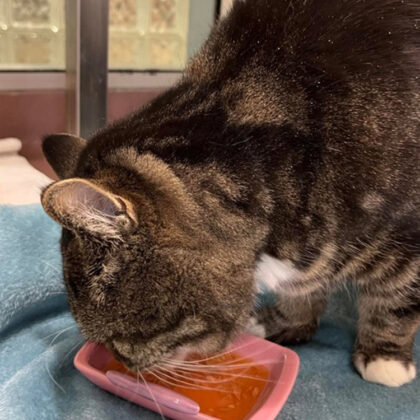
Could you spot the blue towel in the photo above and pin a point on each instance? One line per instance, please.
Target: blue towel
(38, 340)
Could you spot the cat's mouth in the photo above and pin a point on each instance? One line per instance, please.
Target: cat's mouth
(175, 345)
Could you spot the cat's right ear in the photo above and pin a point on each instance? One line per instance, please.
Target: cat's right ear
(62, 152)
(80, 205)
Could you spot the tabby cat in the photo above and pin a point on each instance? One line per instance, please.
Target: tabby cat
(288, 153)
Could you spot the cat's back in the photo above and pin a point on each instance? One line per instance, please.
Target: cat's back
(344, 77)
(314, 38)
(341, 76)
(319, 58)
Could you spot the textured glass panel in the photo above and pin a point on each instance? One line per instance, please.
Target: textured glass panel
(32, 48)
(3, 17)
(166, 52)
(3, 48)
(33, 34)
(124, 51)
(161, 26)
(31, 11)
(123, 13)
(162, 15)
(144, 34)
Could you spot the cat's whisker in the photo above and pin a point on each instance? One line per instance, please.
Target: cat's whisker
(193, 376)
(222, 354)
(55, 269)
(59, 333)
(224, 366)
(221, 373)
(230, 374)
(56, 332)
(155, 372)
(152, 395)
(166, 375)
(68, 353)
(54, 381)
(180, 383)
(204, 368)
(225, 363)
(65, 356)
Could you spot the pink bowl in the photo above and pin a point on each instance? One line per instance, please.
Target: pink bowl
(282, 363)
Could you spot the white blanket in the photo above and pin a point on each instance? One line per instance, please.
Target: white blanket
(20, 183)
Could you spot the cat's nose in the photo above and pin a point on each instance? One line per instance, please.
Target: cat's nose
(123, 352)
(123, 348)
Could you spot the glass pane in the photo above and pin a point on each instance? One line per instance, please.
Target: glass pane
(32, 34)
(30, 12)
(148, 34)
(143, 34)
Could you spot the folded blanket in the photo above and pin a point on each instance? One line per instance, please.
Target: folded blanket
(38, 340)
(20, 183)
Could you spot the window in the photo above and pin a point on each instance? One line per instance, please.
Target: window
(148, 34)
(32, 34)
(143, 34)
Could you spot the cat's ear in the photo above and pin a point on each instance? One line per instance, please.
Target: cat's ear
(62, 152)
(80, 205)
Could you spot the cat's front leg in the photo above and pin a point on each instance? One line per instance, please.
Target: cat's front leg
(293, 318)
(389, 316)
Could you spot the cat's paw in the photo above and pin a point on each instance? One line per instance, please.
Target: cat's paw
(255, 328)
(389, 372)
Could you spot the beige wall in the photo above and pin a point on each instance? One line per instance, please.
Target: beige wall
(30, 115)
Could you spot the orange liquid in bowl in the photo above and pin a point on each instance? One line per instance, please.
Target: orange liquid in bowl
(226, 387)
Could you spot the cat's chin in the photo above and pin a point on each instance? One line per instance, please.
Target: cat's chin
(182, 353)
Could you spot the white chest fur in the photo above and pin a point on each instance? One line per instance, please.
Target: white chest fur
(271, 273)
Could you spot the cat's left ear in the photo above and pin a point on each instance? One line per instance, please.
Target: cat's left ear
(62, 152)
(80, 205)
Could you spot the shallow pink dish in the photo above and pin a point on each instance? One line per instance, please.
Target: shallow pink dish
(93, 358)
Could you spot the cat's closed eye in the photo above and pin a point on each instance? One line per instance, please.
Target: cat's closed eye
(95, 270)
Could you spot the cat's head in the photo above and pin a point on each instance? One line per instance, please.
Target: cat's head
(143, 274)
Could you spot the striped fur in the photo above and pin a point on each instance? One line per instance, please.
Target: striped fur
(293, 134)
